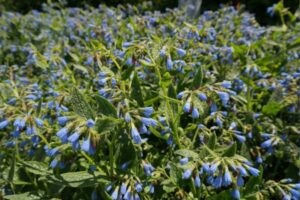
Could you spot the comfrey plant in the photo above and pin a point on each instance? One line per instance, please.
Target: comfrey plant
(124, 103)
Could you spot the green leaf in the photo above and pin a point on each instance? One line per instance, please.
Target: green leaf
(23, 196)
(80, 68)
(136, 92)
(80, 106)
(197, 82)
(212, 141)
(105, 107)
(146, 63)
(79, 179)
(253, 183)
(74, 57)
(105, 124)
(35, 167)
(187, 153)
(272, 108)
(158, 134)
(11, 172)
(230, 151)
(168, 186)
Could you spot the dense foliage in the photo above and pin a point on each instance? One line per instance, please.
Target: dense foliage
(119, 103)
(258, 7)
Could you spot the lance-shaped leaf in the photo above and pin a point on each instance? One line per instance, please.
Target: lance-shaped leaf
(105, 107)
(197, 82)
(80, 105)
(187, 153)
(106, 124)
(230, 151)
(79, 179)
(136, 92)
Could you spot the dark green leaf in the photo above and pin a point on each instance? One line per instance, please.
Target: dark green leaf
(230, 151)
(136, 92)
(105, 124)
(79, 179)
(80, 106)
(272, 108)
(105, 107)
(212, 141)
(23, 196)
(197, 82)
(187, 153)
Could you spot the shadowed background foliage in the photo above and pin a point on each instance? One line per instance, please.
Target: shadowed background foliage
(258, 7)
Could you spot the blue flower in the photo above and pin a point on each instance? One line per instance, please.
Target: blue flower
(205, 167)
(87, 146)
(181, 52)
(136, 197)
(187, 174)
(19, 123)
(74, 137)
(226, 84)
(271, 10)
(148, 168)
(115, 194)
(30, 130)
(138, 187)
(183, 161)
(286, 197)
(235, 193)
(197, 181)
(15, 134)
(213, 168)
(62, 120)
(10, 143)
(126, 44)
(219, 122)
(135, 135)
(39, 122)
(259, 160)
(267, 143)
(224, 97)
(149, 121)
(63, 135)
(180, 95)
(202, 96)
(54, 163)
(127, 195)
(162, 53)
(90, 123)
(253, 171)
(213, 108)
(151, 189)
(232, 125)
(169, 63)
(143, 129)
(240, 181)
(242, 171)
(52, 152)
(297, 186)
(187, 107)
(227, 178)
(148, 111)
(195, 113)
(295, 193)
(123, 188)
(94, 195)
(4, 124)
(217, 183)
(240, 137)
(127, 117)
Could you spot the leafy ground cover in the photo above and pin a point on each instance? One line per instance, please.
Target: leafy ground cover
(122, 103)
